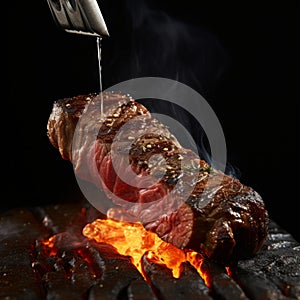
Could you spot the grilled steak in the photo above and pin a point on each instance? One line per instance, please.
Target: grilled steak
(152, 179)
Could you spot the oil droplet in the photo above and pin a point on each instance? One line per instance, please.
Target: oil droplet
(100, 74)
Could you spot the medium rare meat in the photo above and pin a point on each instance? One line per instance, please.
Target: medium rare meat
(152, 179)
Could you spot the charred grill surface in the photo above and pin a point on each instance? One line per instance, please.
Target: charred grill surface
(219, 217)
(84, 270)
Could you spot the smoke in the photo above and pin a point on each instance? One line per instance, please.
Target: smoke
(162, 45)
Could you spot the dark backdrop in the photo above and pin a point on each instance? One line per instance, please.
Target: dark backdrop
(240, 58)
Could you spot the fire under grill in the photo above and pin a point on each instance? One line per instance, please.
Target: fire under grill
(44, 255)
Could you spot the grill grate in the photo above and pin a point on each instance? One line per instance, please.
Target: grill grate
(83, 269)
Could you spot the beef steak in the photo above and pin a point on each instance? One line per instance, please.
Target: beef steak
(152, 179)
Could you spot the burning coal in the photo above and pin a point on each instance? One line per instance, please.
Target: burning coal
(130, 240)
(58, 261)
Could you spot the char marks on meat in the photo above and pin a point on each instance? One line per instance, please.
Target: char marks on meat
(168, 188)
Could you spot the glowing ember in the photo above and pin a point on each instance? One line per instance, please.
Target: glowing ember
(133, 240)
(50, 244)
(196, 261)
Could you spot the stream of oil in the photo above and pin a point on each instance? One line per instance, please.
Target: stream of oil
(100, 75)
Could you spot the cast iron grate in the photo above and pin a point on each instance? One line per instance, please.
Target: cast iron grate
(83, 269)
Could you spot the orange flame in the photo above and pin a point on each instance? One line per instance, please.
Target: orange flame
(50, 244)
(132, 239)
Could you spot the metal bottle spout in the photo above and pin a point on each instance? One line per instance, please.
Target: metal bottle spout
(79, 16)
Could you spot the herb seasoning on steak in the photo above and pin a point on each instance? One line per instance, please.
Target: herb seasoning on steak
(202, 209)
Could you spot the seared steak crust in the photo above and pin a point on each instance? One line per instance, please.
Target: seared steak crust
(202, 208)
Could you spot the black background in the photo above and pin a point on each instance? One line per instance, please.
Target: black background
(242, 59)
